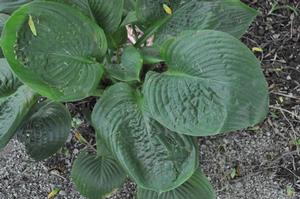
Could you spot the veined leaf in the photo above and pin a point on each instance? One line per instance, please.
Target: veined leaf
(152, 155)
(107, 13)
(62, 61)
(8, 6)
(130, 66)
(214, 84)
(197, 187)
(231, 16)
(96, 176)
(15, 102)
(46, 129)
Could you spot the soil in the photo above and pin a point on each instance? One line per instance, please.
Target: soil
(262, 162)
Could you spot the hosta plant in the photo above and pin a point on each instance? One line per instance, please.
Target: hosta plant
(164, 72)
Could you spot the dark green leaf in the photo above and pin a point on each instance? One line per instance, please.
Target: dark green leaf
(3, 19)
(117, 39)
(96, 176)
(229, 16)
(129, 19)
(152, 155)
(15, 103)
(8, 6)
(214, 84)
(107, 13)
(46, 129)
(197, 187)
(58, 54)
(130, 66)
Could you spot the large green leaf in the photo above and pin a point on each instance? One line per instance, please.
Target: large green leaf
(130, 66)
(229, 16)
(46, 129)
(197, 187)
(107, 13)
(15, 103)
(55, 50)
(213, 84)
(96, 176)
(155, 157)
(8, 6)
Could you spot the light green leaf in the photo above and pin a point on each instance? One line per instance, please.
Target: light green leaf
(129, 19)
(15, 102)
(231, 16)
(152, 155)
(63, 61)
(130, 66)
(107, 14)
(150, 55)
(96, 176)
(213, 84)
(8, 6)
(197, 187)
(46, 129)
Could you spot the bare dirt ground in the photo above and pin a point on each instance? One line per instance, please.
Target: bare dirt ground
(258, 163)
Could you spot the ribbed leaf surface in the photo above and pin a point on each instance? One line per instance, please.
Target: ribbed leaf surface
(15, 103)
(8, 6)
(46, 130)
(197, 187)
(55, 50)
(152, 155)
(3, 19)
(214, 84)
(229, 16)
(107, 13)
(96, 176)
(130, 66)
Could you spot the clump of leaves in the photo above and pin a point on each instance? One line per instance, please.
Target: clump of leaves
(195, 79)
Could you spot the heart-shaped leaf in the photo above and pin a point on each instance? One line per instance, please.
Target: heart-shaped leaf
(152, 155)
(46, 129)
(231, 16)
(96, 176)
(55, 50)
(15, 102)
(107, 14)
(130, 66)
(213, 84)
(197, 187)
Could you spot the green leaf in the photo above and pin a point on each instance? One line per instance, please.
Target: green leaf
(62, 61)
(8, 6)
(130, 66)
(3, 19)
(107, 14)
(96, 176)
(117, 39)
(155, 157)
(197, 187)
(129, 6)
(213, 84)
(15, 102)
(231, 16)
(149, 11)
(46, 129)
(150, 55)
(129, 19)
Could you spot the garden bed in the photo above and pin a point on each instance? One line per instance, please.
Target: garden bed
(262, 162)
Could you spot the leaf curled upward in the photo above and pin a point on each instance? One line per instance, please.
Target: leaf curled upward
(32, 26)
